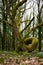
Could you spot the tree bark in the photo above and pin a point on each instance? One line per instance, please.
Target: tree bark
(16, 35)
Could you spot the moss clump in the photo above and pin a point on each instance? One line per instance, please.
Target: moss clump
(31, 43)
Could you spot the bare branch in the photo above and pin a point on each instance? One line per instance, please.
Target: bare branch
(40, 11)
(6, 22)
(33, 29)
(28, 24)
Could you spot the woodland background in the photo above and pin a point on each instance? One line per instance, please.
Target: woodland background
(20, 19)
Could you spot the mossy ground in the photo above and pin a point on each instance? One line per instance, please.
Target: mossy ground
(12, 56)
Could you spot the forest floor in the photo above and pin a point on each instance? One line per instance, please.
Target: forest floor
(13, 58)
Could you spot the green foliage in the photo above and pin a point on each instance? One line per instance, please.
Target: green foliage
(40, 54)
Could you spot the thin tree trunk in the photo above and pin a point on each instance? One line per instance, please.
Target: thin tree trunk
(4, 27)
(33, 21)
(39, 29)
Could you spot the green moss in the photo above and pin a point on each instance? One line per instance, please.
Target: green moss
(28, 41)
(31, 43)
(34, 42)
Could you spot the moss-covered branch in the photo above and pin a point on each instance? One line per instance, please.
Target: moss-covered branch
(31, 43)
(15, 8)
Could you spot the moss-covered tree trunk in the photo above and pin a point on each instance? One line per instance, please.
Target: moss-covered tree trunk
(16, 35)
